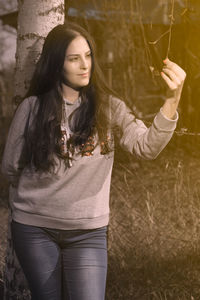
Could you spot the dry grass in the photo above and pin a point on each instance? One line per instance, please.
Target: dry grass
(154, 231)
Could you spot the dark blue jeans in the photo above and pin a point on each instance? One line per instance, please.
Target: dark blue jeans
(62, 264)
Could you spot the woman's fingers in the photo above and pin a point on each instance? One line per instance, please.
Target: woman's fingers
(180, 73)
(172, 75)
(170, 83)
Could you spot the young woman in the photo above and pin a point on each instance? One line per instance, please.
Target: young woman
(58, 159)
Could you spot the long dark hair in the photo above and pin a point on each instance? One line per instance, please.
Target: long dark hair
(42, 139)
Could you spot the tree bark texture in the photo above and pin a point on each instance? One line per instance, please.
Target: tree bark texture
(36, 18)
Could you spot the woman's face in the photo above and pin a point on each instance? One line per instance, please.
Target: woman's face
(78, 63)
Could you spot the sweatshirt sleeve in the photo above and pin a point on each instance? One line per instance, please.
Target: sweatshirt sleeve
(13, 157)
(136, 138)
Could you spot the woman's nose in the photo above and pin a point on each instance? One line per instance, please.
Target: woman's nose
(84, 63)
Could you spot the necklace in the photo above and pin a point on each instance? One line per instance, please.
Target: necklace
(67, 147)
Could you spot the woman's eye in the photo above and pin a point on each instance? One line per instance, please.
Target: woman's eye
(89, 55)
(73, 59)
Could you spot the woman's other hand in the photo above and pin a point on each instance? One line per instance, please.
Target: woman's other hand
(174, 76)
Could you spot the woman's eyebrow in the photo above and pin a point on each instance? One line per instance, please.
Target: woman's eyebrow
(89, 51)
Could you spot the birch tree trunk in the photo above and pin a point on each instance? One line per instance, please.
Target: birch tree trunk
(36, 18)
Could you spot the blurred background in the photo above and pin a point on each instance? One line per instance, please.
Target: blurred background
(154, 228)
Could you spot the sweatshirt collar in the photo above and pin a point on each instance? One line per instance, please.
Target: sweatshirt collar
(77, 101)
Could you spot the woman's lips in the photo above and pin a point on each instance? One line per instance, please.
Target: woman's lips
(84, 74)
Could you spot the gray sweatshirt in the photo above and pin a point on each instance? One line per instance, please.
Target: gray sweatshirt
(76, 197)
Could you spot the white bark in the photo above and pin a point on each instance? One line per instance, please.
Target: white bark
(36, 18)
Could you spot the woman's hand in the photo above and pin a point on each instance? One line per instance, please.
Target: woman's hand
(174, 76)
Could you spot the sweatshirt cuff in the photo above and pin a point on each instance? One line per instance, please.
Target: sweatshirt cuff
(164, 123)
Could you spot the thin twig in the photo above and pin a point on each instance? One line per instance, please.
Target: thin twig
(138, 6)
(160, 37)
(170, 27)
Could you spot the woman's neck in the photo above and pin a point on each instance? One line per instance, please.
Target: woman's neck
(69, 93)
